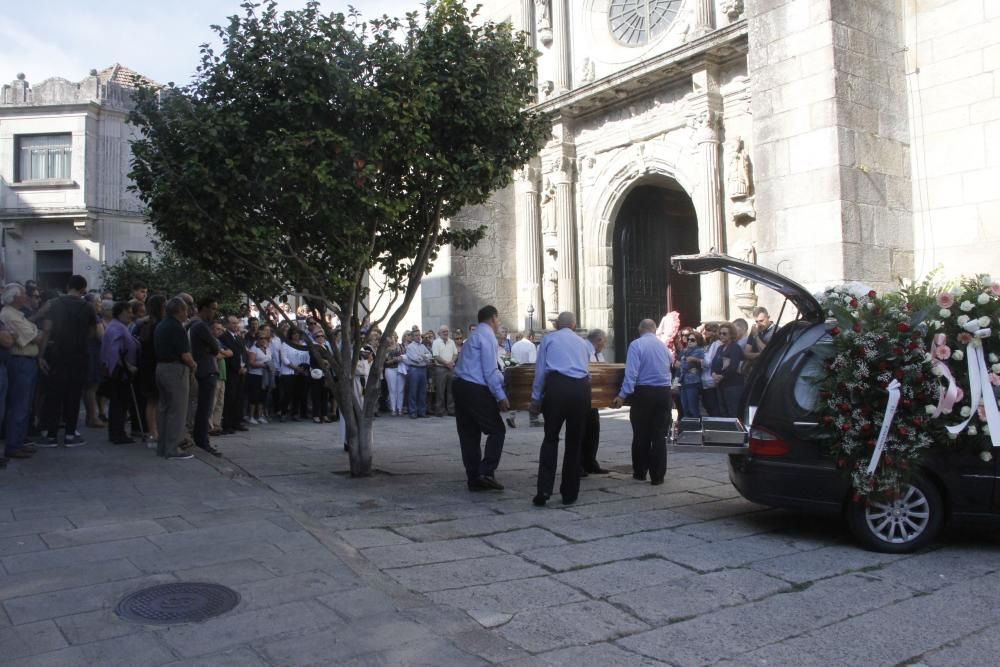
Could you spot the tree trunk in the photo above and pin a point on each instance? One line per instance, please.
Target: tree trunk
(358, 427)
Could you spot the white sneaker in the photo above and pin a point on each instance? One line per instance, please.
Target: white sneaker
(261, 421)
(252, 421)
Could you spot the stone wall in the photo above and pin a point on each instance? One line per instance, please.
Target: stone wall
(953, 76)
(486, 274)
(830, 142)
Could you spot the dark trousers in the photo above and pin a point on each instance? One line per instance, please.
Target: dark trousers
(118, 408)
(650, 416)
(206, 394)
(591, 441)
(477, 413)
(320, 397)
(293, 395)
(417, 379)
(729, 399)
(63, 392)
(710, 399)
(232, 402)
(566, 401)
(22, 373)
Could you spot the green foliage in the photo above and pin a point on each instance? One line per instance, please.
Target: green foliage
(316, 147)
(169, 274)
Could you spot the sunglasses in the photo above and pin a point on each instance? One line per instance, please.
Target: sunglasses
(692, 340)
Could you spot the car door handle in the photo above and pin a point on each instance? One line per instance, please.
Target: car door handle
(806, 424)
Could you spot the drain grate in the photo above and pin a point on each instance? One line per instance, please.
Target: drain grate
(177, 603)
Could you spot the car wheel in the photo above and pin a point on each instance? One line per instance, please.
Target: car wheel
(902, 525)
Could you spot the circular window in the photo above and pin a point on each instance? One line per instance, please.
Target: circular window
(635, 22)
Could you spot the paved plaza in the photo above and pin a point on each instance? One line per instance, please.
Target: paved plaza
(409, 568)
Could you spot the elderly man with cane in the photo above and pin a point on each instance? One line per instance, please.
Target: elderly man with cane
(562, 392)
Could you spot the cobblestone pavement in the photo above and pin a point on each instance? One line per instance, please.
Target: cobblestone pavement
(409, 568)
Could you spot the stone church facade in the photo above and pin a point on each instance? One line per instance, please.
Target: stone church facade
(830, 140)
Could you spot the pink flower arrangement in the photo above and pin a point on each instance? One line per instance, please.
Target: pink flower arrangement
(942, 352)
(995, 379)
(964, 338)
(946, 300)
(995, 288)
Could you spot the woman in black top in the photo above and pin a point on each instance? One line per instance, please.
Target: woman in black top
(726, 372)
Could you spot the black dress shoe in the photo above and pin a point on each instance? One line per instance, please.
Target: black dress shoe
(584, 473)
(568, 501)
(641, 478)
(656, 482)
(212, 450)
(490, 483)
(539, 500)
(241, 427)
(476, 484)
(597, 470)
(122, 441)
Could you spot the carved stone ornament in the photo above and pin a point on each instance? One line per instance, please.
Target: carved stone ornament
(545, 89)
(544, 22)
(548, 206)
(739, 180)
(733, 9)
(587, 72)
(563, 165)
(526, 174)
(551, 284)
(706, 126)
(746, 289)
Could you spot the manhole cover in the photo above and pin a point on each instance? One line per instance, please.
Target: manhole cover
(177, 603)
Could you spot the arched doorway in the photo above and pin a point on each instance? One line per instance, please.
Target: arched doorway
(653, 223)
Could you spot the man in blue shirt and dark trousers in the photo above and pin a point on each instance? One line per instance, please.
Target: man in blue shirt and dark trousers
(562, 392)
(647, 381)
(479, 398)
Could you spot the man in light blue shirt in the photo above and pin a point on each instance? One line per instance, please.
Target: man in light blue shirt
(647, 381)
(479, 398)
(418, 357)
(562, 391)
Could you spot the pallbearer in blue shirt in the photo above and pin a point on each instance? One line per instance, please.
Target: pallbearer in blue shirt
(647, 381)
(562, 392)
(479, 398)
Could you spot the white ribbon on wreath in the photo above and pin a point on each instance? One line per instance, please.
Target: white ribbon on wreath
(883, 434)
(979, 384)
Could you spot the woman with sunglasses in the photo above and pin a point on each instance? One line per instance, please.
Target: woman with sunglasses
(726, 372)
(688, 364)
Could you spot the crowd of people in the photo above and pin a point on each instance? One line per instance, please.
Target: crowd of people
(173, 373)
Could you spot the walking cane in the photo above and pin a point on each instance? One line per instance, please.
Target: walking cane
(131, 389)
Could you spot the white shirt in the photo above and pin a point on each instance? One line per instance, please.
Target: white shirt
(524, 352)
(291, 359)
(445, 350)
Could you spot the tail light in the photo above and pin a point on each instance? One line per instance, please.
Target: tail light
(765, 443)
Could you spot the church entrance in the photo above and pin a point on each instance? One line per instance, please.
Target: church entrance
(654, 223)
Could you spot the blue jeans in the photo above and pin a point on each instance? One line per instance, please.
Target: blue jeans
(690, 401)
(417, 385)
(22, 372)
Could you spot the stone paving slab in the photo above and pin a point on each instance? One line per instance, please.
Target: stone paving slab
(409, 567)
(538, 630)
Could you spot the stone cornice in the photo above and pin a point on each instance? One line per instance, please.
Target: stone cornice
(718, 46)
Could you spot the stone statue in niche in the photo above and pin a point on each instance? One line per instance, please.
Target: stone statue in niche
(739, 183)
(746, 289)
(733, 9)
(548, 205)
(545, 89)
(740, 180)
(550, 289)
(587, 72)
(544, 12)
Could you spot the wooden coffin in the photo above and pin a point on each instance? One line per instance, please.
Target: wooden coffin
(605, 382)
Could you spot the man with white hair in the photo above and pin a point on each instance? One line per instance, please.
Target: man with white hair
(561, 391)
(22, 369)
(444, 351)
(647, 381)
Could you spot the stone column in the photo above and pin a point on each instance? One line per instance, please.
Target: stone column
(529, 250)
(560, 34)
(711, 229)
(528, 19)
(562, 178)
(704, 18)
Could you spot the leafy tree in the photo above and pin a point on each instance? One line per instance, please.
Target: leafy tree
(168, 273)
(314, 149)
